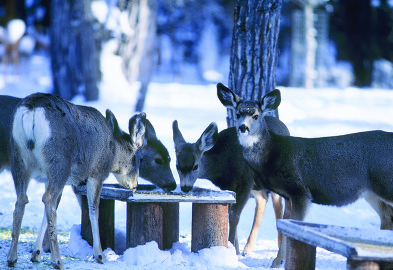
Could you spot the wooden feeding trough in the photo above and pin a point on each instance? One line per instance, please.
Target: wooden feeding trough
(153, 215)
(363, 248)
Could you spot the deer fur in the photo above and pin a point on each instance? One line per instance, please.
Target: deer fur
(61, 143)
(335, 170)
(218, 157)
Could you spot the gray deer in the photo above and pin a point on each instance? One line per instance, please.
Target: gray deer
(335, 170)
(61, 143)
(219, 158)
(155, 162)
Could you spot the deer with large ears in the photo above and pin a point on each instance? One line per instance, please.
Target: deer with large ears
(218, 157)
(55, 141)
(335, 170)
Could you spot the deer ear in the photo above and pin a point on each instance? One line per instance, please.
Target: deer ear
(227, 97)
(208, 138)
(177, 136)
(112, 121)
(137, 128)
(271, 101)
(150, 131)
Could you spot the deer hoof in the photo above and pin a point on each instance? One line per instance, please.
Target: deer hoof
(247, 250)
(100, 258)
(36, 255)
(11, 263)
(58, 265)
(277, 263)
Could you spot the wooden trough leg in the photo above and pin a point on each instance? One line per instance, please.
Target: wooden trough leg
(300, 256)
(209, 226)
(170, 224)
(362, 265)
(144, 224)
(106, 223)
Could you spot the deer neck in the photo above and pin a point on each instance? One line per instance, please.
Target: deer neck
(257, 152)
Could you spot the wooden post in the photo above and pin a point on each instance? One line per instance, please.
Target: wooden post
(106, 223)
(170, 224)
(209, 225)
(362, 265)
(144, 224)
(300, 256)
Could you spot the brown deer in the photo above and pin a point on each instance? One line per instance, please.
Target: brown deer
(55, 141)
(218, 157)
(335, 170)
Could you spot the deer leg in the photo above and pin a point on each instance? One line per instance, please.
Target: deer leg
(242, 196)
(21, 181)
(36, 252)
(45, 242)
(93, 198)
(261, 197)
(277, 206)
(50, 199)
(384, 210)
(298, 210)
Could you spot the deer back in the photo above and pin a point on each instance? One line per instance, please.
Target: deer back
(49, 130)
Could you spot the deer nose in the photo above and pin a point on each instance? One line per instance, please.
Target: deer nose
(186, 188)
(243, 128)
(170, 187)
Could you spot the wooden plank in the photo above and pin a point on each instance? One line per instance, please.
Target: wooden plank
(209, 226)
(106, 223)
(307, 235)
(353, 243)
(144, 224)
(152, 194)
(300, 256)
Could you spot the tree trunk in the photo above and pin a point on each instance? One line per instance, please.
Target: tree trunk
(74, 53)
(254, 50)
(137, 51)
(311, 45)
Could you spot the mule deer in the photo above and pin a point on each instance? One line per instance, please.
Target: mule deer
(218, 157)
(61, 143)
(335, 170)
(154, 165)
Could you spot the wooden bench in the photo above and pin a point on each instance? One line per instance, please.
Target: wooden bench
(153, 215)
(363, 248)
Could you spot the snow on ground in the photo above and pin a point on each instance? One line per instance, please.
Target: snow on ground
(308, 113)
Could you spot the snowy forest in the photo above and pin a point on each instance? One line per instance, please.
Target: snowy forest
(331, 59)
(321, 43)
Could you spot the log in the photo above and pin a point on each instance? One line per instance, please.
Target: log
(362, 265)
(145, 221)
(209, 226)
(170, 224)
(300, 256)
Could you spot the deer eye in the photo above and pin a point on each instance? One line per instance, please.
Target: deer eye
(255, 117)
(159, 161)
(238, 116)
(195, 167)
